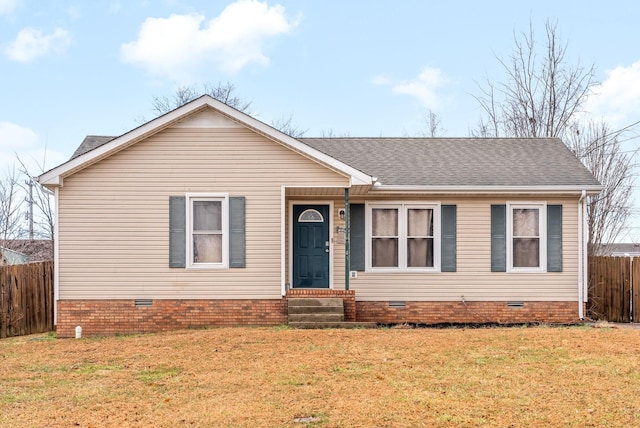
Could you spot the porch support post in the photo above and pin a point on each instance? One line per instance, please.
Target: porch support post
(347, 246)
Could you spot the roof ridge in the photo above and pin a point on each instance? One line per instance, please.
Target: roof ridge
(433, 138)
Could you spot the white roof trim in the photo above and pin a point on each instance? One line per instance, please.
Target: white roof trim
(560, 189)
(54, 177)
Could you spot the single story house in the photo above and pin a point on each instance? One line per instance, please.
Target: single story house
(206, 216)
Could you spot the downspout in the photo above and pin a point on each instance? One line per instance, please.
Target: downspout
(347, 244)
(283, 242)
(585, 246)
(582, 256)
(56, 255)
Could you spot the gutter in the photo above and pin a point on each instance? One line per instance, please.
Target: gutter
(582, 253)
(488, 189)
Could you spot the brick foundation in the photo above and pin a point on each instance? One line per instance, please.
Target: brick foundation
(348, 297)
(110, 317)
(467, 312)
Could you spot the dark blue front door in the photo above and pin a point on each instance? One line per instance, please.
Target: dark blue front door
(311, 246)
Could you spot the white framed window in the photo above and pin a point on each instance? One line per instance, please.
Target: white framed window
(207, 225)
(526, 237)
(402, 237)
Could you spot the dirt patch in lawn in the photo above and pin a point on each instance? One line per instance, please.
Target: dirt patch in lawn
(279, 377)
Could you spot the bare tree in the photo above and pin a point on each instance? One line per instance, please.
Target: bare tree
(543, 96)
(599, 149)
(433, 124)
(330, 133)
(10, 210)
(285, 125)
(41, 201)
(26, 213)
(223, 92)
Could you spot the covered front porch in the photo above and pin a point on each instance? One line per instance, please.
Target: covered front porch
(316, 240)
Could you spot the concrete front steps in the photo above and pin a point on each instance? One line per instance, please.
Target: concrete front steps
(321, 312)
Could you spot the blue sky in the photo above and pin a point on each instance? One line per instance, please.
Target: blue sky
(357, 68)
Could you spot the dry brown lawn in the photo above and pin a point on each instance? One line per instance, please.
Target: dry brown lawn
(279, 377)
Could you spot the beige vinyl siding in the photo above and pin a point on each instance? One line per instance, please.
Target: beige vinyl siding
(473, 280)
(114, 215)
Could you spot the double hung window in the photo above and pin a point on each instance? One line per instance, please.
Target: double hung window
(403, 237)
(207, 218)
(527, 237)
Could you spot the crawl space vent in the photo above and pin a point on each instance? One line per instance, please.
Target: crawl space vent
(397, 305)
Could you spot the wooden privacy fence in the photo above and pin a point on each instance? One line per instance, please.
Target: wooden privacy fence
(614, 289)
(26, 299)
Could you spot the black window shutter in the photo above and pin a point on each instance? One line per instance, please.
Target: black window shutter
(448, 238)
(554, 238)
(498, 238)
(356, 238)
(177, 232)
(237, 235)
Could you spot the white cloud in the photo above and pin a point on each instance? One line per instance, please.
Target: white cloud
(32, 43)
(7, 6)
(114, 8)
(74, 12)
(16, 140)
(425, 87)
(381, 79)
(15, 137)
(617, 98)
(177, 46)
(40, 159)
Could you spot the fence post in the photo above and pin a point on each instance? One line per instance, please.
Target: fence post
(631, 290)
(3, 306)
(635, 294)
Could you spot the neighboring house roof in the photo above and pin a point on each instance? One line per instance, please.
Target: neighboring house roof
(460, 161)
(36, 249)
(621, 249)
(463, 164)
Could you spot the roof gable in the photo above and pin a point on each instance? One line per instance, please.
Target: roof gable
(207, 118)
(193, 113)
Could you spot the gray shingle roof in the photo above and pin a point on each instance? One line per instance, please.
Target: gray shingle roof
(459, 161)
(36, 249)
(89, 143)
(447, 161)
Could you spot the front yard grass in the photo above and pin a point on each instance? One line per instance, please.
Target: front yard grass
(279, 377)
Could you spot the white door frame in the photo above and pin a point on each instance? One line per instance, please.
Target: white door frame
(290, 236)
